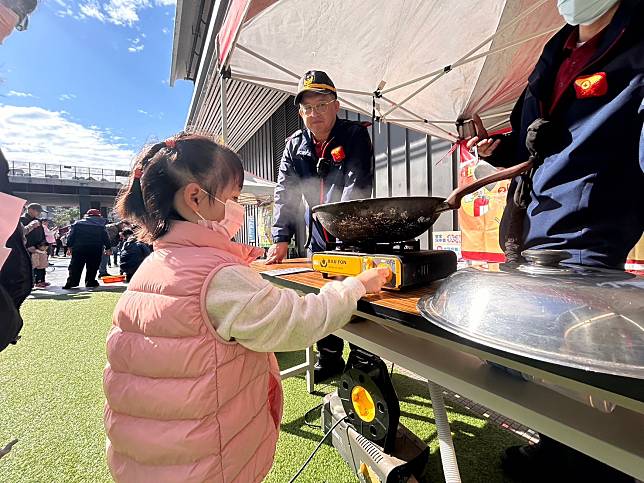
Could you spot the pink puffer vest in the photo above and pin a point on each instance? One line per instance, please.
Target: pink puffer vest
(183, 405)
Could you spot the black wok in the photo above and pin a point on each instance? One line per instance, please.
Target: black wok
(385, 220)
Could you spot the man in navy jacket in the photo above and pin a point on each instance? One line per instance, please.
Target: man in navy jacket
(328, 161)
(587, 197)
(88, 239)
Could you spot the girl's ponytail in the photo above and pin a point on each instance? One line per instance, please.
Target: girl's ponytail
(163, 169)
(130, 204)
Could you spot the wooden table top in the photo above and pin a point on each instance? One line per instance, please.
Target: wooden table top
(401, 307)
(400, 301)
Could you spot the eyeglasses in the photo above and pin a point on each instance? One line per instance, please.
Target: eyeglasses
(320, 108)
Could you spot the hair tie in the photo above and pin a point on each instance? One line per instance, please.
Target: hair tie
(170, 143)
(138, 172)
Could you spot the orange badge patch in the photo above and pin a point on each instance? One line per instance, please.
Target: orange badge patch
(594, 85)
(338, 154)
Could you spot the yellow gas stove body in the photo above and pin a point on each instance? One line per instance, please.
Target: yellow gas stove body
(407, 269)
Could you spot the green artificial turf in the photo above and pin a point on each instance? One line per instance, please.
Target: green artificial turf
(51, 399)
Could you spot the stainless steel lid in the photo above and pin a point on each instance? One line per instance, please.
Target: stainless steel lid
(574, 316)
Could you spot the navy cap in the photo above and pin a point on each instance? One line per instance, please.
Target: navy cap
(315, 81)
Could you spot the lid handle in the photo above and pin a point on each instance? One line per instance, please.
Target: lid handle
(545, 258)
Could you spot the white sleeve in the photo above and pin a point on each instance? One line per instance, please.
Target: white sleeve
(262, 317)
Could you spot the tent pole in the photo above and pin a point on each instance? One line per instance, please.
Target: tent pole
(464, 61)
(224, 114)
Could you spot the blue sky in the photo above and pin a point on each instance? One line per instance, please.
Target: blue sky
(87, 83)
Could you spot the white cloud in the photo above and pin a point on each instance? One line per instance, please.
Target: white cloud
(136, 45)
(38, 135)
(67, 12)
(165, 30)
(66, 97)
(92, 9)
(19, 94)
(117, 12)
(141, 111)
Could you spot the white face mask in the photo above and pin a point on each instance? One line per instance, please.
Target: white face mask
(583, 12)
(233, 216)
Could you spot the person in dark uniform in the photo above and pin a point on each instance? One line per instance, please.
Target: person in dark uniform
(329, 160)
(132, 254)
(589, 84)
(87, 239)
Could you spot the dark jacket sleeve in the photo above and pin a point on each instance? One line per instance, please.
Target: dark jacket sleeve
(288, 195)
(72, 236)
(16, 273)
(107, 243)
(358, 173)
(10, 320)
(641, 113)
(504, 155)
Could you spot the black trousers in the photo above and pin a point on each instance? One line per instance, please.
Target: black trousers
(39, 275)
(59, 246)
(88, 258)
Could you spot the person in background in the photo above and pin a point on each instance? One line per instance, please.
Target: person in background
(63, 241)
(117, 250)
(59, 244)
(132, 254)
(49, 236)
(328, 161)
(40, 262)
(190, 354)
(87, 240)
(34, 230)
(113, 231)
(589, 83)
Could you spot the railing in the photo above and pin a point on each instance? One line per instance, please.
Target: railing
(61, 171)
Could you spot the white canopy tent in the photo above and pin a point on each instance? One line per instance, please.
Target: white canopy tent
(422, 64)
(256, 191)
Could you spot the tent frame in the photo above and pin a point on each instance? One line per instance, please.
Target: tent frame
(379, 92)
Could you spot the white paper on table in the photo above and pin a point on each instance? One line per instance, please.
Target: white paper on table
(10, 210)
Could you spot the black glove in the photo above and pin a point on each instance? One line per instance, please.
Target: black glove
(543, 138)
(324, 167)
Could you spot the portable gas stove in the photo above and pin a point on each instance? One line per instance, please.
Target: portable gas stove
(410, 266)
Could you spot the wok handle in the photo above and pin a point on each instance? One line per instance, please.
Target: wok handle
(453, 201)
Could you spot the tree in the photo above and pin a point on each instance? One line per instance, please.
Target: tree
(64, 216)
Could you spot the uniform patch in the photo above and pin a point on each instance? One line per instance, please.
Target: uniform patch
(594, 85)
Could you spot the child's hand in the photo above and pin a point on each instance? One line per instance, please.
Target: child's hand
(374, 279)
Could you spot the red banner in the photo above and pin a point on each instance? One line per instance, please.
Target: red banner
(480, 212)
(229, 30)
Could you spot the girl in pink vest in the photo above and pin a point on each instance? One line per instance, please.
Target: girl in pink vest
(192, 385)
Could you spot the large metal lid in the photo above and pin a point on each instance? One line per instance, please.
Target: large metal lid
(574, 316)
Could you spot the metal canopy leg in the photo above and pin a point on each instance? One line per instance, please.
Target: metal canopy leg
(305, 368)
(224, 114)
(310, 370)
(448, 455)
